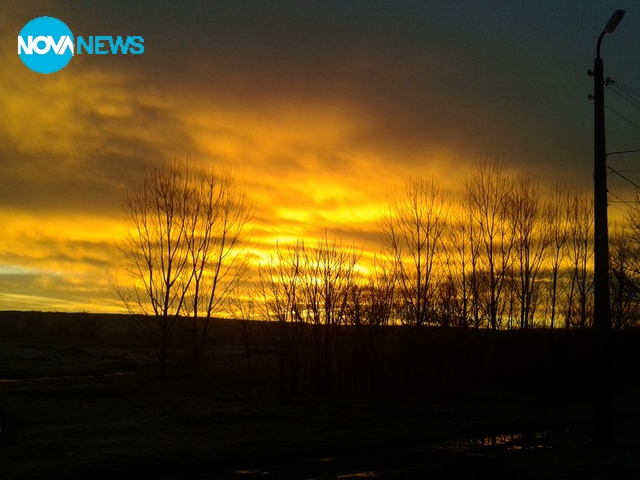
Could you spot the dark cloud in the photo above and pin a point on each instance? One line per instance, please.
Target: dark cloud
(475, 76)
(321, 108)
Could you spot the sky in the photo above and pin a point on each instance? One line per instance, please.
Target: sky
(321, 109)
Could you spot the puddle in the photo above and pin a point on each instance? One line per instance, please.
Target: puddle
(409, 461)
(359, 475)
(524, 441)
(4, 381)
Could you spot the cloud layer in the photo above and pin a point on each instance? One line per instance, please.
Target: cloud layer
(320, 109)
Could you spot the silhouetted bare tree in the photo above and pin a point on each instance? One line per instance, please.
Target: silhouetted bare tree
(158, 211)
(371, 306)
(556, 216)
(244, 313)
(329, 276)
(532, 237)
(184, 251)
(488, 200)
(579, 295)
(413, 228)
(218, 246)
(625, 268)
(459, 289)
(624, 282)
(307, 291)
(282, 302)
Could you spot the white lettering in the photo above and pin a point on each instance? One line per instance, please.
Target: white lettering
(62, 45)
(41, 38)
(33, 45)
(22, 47)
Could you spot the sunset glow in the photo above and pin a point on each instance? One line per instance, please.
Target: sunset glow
(321, 115)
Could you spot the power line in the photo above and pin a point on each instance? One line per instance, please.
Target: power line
(620, 200)
(626, 97)
(614, 195)
(618, 208)
(620, 152)
(622, 116)
(622, 176)
(628, 89)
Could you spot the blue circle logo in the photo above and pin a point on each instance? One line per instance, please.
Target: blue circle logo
(45, 45)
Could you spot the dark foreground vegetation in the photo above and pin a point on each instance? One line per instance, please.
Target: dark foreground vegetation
(79, 397)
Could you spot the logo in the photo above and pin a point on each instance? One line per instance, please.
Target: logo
(46, 45)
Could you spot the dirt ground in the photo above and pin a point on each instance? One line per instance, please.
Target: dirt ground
(87, 411)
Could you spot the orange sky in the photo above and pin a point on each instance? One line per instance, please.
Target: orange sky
(319, 109)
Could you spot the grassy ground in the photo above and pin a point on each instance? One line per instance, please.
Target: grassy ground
(81, 422)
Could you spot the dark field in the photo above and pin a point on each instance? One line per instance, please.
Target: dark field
(79, 399)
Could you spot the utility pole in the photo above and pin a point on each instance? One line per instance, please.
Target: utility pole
(602, 318)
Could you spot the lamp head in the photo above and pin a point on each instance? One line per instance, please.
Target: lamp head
(614, 21)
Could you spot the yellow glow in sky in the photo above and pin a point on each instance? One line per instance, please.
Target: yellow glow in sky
(320, 122)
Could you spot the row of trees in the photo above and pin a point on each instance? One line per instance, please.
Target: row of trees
(504, 253)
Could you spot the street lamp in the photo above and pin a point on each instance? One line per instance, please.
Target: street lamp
(602, 319)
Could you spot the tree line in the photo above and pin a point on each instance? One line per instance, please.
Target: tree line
(503, 253)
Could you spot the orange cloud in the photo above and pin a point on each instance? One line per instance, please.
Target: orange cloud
(320, 132)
